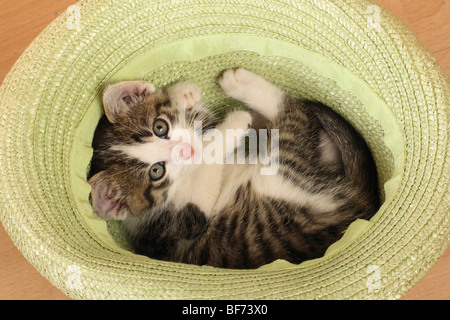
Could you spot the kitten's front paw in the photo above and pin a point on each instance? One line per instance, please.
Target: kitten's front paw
(237, 82)
(185, 95)
(238, 120)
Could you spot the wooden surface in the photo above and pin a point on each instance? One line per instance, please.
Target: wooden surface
(22, 20)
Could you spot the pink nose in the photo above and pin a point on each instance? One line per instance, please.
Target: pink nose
(186, 151)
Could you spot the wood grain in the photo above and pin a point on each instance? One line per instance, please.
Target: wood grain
(22, 20)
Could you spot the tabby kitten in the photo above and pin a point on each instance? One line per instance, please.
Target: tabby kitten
(219, 214)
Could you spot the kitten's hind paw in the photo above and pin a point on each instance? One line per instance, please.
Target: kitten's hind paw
(237, 82)
(253, 90)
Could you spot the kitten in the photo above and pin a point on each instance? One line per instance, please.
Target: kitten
(219, 214)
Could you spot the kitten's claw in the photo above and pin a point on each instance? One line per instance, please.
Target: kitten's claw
(185, 95)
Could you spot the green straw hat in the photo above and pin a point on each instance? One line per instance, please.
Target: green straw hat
(352, 55)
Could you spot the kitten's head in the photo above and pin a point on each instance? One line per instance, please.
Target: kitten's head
(136, 155)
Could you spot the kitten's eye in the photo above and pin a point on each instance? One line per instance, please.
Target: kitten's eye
(160, 128)
(157, 171)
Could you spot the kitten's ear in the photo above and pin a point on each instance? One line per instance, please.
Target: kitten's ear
(106, 198)
(118, 98)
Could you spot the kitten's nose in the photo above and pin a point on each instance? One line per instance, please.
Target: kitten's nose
(186, 151)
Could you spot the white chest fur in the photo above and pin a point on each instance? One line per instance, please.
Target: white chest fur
(216, 188)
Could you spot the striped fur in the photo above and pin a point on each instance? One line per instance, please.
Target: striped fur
(231, 216)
